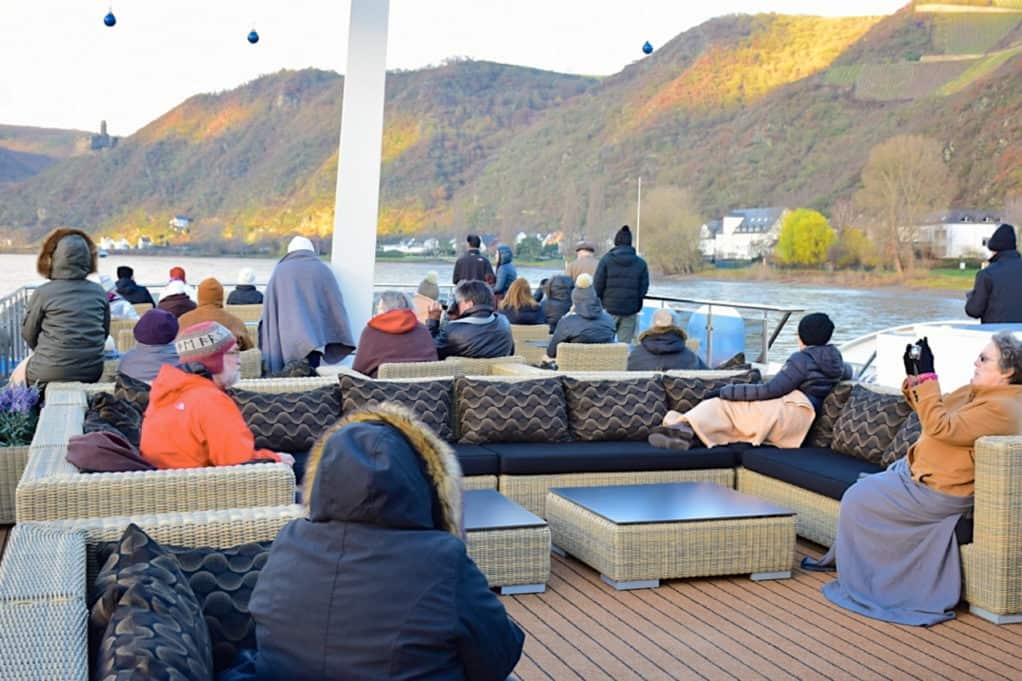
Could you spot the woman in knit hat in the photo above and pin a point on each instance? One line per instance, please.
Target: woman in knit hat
(427, 293)
(211, 309)
(245, 293)
(154, 334)
(190, 421)
(586, 323)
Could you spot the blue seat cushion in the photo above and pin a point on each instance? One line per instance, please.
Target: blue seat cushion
(817, 469)
(476, 460)
(539, 458)
(821, 470)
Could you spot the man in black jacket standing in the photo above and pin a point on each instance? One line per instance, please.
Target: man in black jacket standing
(621, 282)
(994, 298)
(473, 265)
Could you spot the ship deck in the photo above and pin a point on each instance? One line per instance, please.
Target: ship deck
(734, 628)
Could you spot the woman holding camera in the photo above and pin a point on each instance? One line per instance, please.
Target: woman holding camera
(896, 549)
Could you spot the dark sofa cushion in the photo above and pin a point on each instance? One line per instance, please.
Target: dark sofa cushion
(145, 618)
(288, 422)
(822, 432)
(614, 409)
(868, 423)
(685, 392)
(907, 435)
(536, 458)
(511, 411)
(476, 460)
(817, 469)
(110, 414)
(132, 390)
(430, 400)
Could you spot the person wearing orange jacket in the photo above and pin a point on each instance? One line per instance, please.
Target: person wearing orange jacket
(190, 421)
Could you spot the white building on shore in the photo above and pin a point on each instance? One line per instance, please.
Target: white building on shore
(743, 235)
(957, 234)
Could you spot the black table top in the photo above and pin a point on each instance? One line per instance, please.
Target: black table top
(488, 509)
(670, 502)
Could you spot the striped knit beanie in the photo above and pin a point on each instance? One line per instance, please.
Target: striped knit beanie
(205, 343)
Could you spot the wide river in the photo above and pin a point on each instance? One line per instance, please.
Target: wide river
(855, 312)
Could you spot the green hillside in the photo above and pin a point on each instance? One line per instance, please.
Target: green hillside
(742, 110)
(26, 151)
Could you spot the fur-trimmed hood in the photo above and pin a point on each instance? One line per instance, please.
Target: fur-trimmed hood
(60, 257)
(661, 330)
(382, 466)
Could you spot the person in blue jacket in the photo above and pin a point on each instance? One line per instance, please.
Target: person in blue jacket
(376, 582)
(506, 272)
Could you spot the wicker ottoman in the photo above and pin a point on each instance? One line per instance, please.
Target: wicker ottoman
(510, 545)
(636, 535)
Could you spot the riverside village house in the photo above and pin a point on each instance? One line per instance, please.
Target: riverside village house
(743, 235)
(956, 234)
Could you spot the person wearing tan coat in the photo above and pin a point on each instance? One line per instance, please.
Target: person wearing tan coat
(211, 309)
(896, 550)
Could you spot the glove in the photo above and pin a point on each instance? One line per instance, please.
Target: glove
(925, 361)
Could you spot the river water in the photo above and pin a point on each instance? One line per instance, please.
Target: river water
(854, 311)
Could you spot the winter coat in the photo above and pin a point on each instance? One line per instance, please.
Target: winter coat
(245, 294)
(133, 293)
(661, 349)
(177, 304)
(473, 265)
(588, 323)
(211, 309)
(394, 336)
(582, 265)
(621, 281)
(67, 319)
(506, 271)
(143, 362)
(524, 315)
(942, 458)
(557, 301)
(814, 371)
(376, 582)
(191, 423)
(478, 333)
(995, 298)
(120, 308)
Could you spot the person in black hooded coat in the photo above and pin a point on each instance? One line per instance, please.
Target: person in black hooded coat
(621, 281)
(662, 347)
(557, 301)
(994, 297)
(130, 290)
(376, 583)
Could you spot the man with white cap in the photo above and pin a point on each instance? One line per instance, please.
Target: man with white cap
(245, 293)
(303, 312)
(190, 421)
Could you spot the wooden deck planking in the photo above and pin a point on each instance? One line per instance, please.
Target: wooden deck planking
(725, 628)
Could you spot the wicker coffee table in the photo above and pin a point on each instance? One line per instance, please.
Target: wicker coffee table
(509, 544)
(636, 535)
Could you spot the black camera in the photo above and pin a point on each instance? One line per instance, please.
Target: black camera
(915, 352)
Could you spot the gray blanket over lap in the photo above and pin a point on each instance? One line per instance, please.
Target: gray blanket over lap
(303, 311)
(896, 550)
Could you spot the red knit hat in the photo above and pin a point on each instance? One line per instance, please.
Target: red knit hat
(205, 343)
(178, 273)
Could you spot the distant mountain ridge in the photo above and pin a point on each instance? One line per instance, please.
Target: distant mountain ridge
(743, 110)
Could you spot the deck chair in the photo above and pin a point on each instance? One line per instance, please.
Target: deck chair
(246, 313)
(592, 357)
(523, 333)
(419, 370)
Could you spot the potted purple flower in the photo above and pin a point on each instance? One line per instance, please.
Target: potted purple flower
(19, 413)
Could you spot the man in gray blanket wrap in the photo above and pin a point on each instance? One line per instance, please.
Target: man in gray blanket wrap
(303, 312)
(896, 550)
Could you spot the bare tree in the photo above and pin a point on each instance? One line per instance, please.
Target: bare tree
(1013, 210)
(905, 179)
(670, 230)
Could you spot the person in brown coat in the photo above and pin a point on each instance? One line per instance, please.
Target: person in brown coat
(585, 262)
(393, 335)
(211, 309)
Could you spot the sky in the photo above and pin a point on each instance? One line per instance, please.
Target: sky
(63, 68)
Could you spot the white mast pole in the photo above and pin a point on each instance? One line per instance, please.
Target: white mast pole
(357, 201)
(638, 214)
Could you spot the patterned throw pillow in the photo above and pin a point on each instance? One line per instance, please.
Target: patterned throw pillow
(511, 411)
(430, 400)
(822, 432)
(906, 437)
(223, 580)
(145, 617)
(288, 422)
(683, 393)
(296, 368)
(132, 390)
(620, 409)
(109, 414)
(868, 423)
